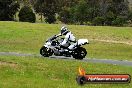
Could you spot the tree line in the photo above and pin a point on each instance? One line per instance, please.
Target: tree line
(88, 12)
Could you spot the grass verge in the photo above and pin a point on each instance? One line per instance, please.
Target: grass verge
(35, 72)
(29, 37)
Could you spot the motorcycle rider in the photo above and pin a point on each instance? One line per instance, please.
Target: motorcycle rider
(69, 40)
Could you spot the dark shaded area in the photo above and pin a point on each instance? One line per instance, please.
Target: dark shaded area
(82, 12)
(26, 15)
(8, 9)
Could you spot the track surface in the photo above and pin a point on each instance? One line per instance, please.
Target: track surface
(116, 62)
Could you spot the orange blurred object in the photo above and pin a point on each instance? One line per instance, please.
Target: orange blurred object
(81, 71)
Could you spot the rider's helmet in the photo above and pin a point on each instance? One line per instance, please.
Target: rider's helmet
(64, 30)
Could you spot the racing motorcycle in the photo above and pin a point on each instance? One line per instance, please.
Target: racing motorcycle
(52, 47)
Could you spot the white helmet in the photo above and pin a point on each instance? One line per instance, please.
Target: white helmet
(64, 30)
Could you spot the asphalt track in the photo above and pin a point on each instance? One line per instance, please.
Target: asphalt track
(107, 61)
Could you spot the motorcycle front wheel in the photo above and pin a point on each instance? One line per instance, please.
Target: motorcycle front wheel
(79, 53)
(44, 51)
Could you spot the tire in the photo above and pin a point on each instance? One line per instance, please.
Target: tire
(79, 53)
(81, 80)
(44, 52)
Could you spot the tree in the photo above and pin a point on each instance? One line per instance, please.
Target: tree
(110, 16)
(119, 21)
(65, 16)
(98, 21)
(130, 16)
(97, 12)
(81, 12)
(26, 15)
(119, 7)
(47, 8)
(50, 18)
(65, 10)
(114, 11)
(8, 9)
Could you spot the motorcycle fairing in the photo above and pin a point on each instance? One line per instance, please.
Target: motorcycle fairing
(82, 42)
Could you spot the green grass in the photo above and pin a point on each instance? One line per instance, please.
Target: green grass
(35, 72)
(109, 51)
(29, 37)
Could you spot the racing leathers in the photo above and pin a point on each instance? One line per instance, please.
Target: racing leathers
(69, 41)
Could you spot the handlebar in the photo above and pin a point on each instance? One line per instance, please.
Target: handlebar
(53, 37)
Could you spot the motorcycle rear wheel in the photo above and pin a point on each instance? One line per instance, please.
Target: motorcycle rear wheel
(79, 53)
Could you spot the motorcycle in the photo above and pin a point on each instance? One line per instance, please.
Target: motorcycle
(52, 47)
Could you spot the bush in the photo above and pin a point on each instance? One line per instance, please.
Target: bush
(26, 15)
(8, 8)
(64, 16)
(130, 16)
(119, 21)
(98, 21)
(50, 18)
(110, 16)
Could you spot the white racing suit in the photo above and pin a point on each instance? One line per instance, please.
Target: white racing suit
(69, 41)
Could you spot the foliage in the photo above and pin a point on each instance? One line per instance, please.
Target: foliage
(110, 16)
(65, 16)
(47, 8)
(50, 18)
(8, 9)
(130, 16)
(81, 12)
(117, 13)
(98, 21)
(119, 21)
(96, 12)
(26, 15)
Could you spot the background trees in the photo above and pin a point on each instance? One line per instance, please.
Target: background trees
(96, 12)
(47, 8)
(89, 12)
(26, 15)
(8, 9)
